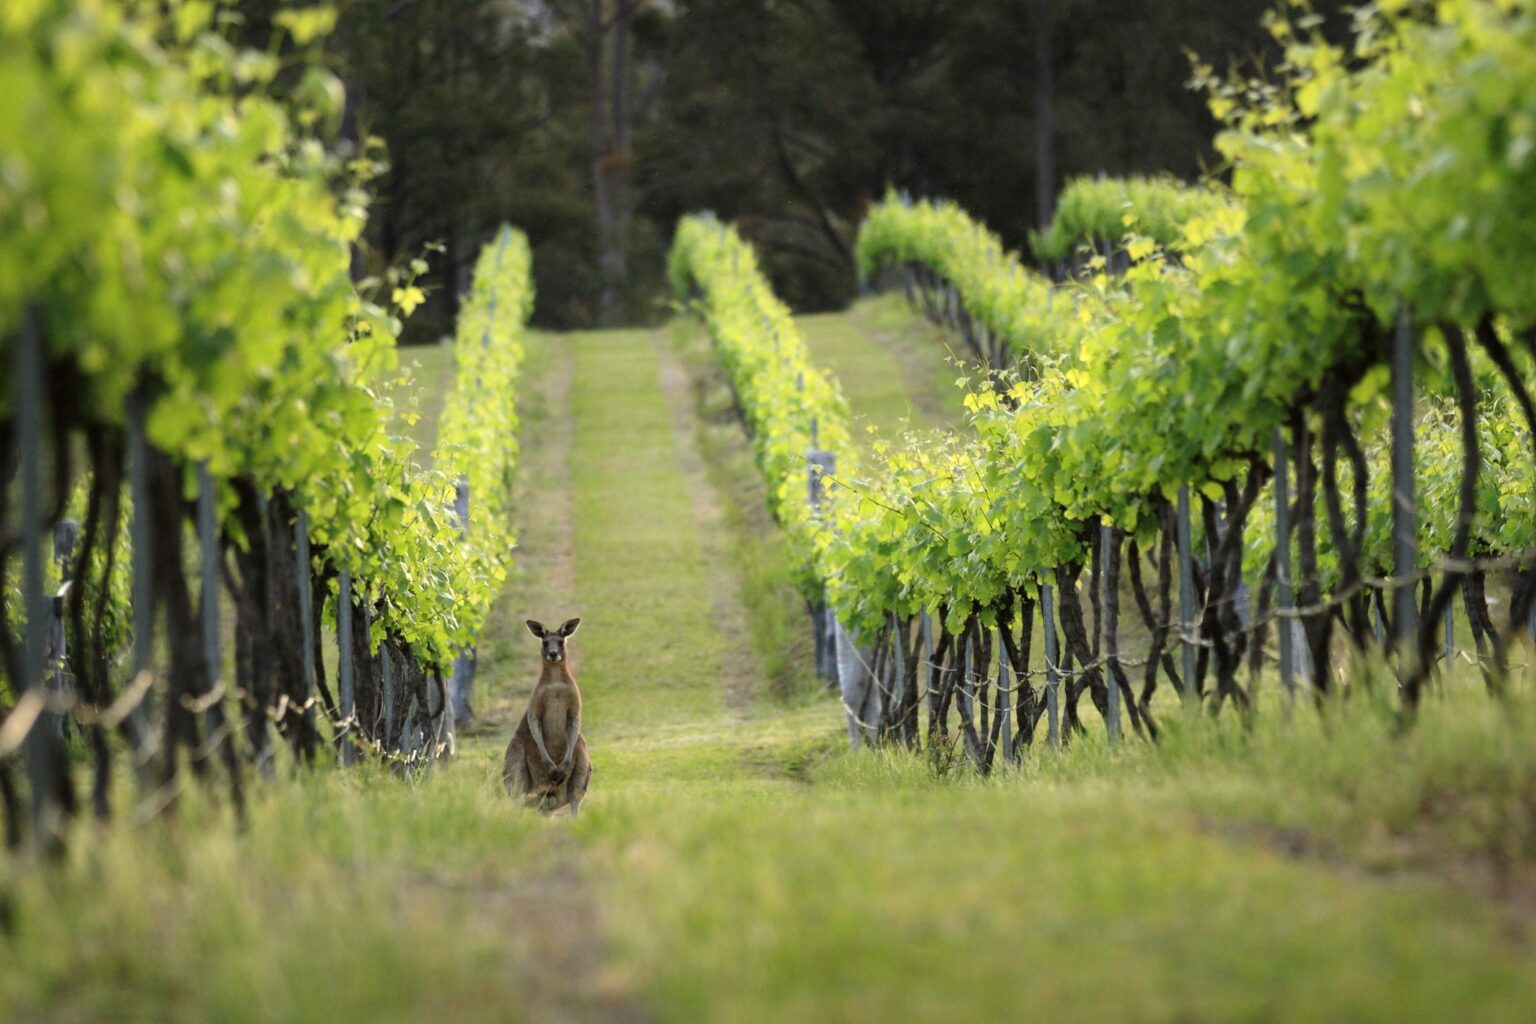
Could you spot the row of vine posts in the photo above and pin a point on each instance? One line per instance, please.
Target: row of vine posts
(386, 702)
(1406, 617)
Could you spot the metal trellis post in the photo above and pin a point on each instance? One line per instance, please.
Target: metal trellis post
(1450, 636)
(43, 745)
(1404, 537)
(967, 706)
(65, 535)
(142, 584)
(824, 629)
(462, 682)
(1052, 673)
(1005, 698)
(926, 668)
(306, 616)
(208, 545)
(1106, 551)
(1186, 593)
(1285, 598)
(344, 666)
(387, 669)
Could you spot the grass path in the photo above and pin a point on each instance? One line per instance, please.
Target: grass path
(431, 371)
(544, 582)
(664, 656)
(641, 561)
(893, 367)
(741, 670)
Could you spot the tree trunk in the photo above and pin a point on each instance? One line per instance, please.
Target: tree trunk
(611, 150)
(1040, 25)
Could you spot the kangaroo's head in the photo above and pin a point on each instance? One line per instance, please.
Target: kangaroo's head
(552, 641)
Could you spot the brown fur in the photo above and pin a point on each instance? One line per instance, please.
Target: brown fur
(556, 706)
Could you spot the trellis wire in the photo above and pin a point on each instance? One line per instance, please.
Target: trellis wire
(1400, 585)
(942, 302)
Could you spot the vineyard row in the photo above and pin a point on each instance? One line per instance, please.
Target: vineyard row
(1300, 410)
(201, 417)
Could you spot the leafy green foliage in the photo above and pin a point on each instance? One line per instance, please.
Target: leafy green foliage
(1099, 211)
(1013, 302)
(477, 435)
(779, 393)
(1236, 312)
(180, 231)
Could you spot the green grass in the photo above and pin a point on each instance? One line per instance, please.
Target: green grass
(335, 900)
(431, 371)
(892, 366)
(736, 862)
(1291, 873)
(777, 614)
(640, 565)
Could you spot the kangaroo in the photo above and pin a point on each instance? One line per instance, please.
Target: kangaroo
(547, 763)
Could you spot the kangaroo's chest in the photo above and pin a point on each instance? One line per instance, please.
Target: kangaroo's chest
(557, 707)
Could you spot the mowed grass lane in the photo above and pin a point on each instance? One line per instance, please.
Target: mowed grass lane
(669, 693)
(894, 368)
(651, 654)
(430, 368)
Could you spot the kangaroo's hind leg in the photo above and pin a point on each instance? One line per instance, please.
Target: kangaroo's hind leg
(581, 776)
(514, 770)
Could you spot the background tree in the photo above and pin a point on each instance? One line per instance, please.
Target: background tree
(594, 124)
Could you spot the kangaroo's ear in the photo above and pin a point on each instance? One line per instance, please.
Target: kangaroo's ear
(536, 628)
(569, 629)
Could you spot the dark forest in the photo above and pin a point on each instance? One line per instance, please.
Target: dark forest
(595, 124)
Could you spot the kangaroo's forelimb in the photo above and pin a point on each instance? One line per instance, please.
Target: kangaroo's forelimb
(572, 731)
(538, 739)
